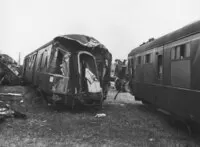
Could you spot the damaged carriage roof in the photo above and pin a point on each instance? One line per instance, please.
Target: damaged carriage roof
(83, 40)
(89, 42)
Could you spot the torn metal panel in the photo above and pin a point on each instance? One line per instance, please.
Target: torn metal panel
(60, 84)
(61, 72)
(92, 82)
(59, 63)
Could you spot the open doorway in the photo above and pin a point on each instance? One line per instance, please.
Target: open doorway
(88, 72)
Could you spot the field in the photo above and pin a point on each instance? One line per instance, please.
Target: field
(127, 123)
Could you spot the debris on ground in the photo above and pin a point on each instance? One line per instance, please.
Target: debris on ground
(100, 115)
(10, 94)
(122, 105)
(12, 102)
(131, 125)
(6, 111)
(151, 139)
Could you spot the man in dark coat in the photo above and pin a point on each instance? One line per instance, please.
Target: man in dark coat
(106, 79)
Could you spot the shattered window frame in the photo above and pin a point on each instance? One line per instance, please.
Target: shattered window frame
(44, 61)
(40, 61)
(56, 66)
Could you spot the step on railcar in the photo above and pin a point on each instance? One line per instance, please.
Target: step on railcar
(166, 72)
(65, 70)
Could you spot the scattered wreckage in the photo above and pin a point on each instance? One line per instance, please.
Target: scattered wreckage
(10, 73)
(6, 108)
(70, 69)
(7, 112)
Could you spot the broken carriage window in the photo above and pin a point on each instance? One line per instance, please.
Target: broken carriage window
(59, 62)
(139, 60)
(29, 62)
(44, 61)
(40, 61)
(32, 61)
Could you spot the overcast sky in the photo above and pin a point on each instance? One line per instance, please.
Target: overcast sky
(120, 25)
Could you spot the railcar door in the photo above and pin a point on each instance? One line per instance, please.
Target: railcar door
(160, 92)
(159, 65)
(88, 71)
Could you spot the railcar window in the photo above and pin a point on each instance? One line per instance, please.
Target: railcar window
(65, 65)
(29, 62)
(173, 53)
(60, 56)
(32, 61)
(183, 51)
(40, 62)
(180, 52)
(44, 61)
(59, 63)
(139, 60)
(177, 52)
(148, 58)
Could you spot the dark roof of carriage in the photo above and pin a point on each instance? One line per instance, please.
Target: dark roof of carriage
(185, 31)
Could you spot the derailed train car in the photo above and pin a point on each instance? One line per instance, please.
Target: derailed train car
(65, 70)
(165, 72)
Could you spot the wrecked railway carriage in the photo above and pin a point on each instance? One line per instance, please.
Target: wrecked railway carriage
(165, 72)
(70, 69)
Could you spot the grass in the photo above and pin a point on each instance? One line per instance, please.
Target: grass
(127, 123)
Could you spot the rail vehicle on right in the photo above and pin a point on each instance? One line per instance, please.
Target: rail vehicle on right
(165, 72)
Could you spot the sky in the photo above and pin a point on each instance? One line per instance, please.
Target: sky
(121, 25)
